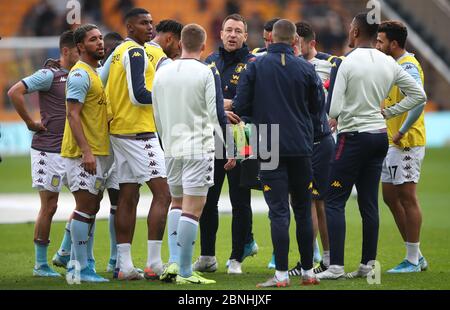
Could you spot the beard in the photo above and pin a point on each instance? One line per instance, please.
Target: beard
(97, 55)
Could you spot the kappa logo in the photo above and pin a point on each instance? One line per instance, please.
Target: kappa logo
(152, 163)
(41, 172)
(40, 180)
(136, 54)
(406, 158)
(408, 167)
(336, 184)
(63, 79)
(267, 188)
(43, 154)
(77, 74)
(155, 172)
(42, 162)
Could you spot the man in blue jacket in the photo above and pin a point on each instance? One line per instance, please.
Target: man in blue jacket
(281, 91)
(230, 61)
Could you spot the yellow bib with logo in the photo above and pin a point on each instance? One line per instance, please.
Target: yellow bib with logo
(154, 54)
(93, 119)
(128, 118)
(416, 134)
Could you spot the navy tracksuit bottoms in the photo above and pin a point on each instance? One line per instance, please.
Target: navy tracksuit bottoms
(358, 161)
(293, 178)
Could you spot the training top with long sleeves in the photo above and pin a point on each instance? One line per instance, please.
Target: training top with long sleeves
(363, 81)
(188, 104)
(281, 89)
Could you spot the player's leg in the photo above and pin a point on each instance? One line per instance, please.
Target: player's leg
(156, 222)
(209, 222)
(344, 172)
(276, 194)
(197, 178)
(113, 195)
(49, 201)
(403, 166)
(157, 216)
(323, 230)
(241, 224)
(300, 178)
(48, 175)
(174, 179)
(132, 162)
(367, 184)
(87, 190)
(125, 222)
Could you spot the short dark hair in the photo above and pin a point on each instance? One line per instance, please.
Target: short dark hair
(80, 34)
(135, 12)
(170, 25)
(193, 36)
(236, 17)
(305, 31)
(268, 26)
(395, 31)
(66, 39)
(369, 30)
(113, 36)
(283, 31)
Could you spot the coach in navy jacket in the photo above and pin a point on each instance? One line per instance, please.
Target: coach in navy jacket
(280, 88)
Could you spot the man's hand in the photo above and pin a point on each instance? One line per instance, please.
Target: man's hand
(233, 118)
(227, 104)
(397, 137)
(333, 124)
(36, 126)
(231, 163)
(89, 163)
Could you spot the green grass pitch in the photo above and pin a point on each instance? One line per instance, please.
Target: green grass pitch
(17, 252)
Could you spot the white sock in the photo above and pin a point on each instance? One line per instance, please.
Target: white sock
(124, 257)
(154, 255)
(308, 273)
(336, 269)
(208, 258)
(326, 258)
(281, 275)
(420, 253)
(412, 250)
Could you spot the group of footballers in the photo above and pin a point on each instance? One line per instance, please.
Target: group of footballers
(109, 114)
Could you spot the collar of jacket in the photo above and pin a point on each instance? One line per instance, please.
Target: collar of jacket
(234, 56)
(280, 48)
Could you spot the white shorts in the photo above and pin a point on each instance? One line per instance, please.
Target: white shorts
(190, 176)
(402, 165)
(112, 179)
(79, 179)
(138, 161)
(48, 171)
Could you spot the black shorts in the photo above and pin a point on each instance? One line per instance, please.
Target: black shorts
(323, 152)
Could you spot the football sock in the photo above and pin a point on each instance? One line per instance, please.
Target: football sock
(187, 233)
(79, 233)
(90, 244)
(124, 257)
(154, 255)
(112, 233)
(326, 258)
(172, 225)
(412, 250)
(281, 275)
(40, 250)
(66, 243)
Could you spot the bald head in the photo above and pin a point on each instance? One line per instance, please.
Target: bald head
(284, 31)
(193, 38)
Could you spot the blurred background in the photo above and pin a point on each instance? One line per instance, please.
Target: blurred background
(30, 30)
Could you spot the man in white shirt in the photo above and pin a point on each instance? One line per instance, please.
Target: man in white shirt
(188, 103)
(363, 81)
